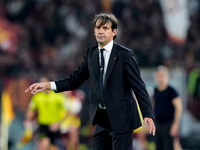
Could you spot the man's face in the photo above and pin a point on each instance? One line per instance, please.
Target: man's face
(104, 34)
(161, 77)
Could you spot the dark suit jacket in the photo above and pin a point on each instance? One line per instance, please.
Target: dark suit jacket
(122, 76)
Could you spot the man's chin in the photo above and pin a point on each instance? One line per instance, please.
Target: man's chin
(101, 42)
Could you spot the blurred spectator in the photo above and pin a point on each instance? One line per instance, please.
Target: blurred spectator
(168, 110)
(51, 112)
(70, 126)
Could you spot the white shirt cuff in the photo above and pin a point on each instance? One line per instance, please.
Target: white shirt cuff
(53, 86)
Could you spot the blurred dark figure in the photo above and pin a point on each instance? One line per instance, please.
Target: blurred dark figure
(168, 110)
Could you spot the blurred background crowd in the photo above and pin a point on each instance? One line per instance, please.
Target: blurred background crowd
(50, 38)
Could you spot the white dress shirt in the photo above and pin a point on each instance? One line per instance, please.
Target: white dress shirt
(53, 86)
(106, 55)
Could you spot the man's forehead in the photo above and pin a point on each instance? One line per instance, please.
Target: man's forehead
(100, 23)
(162, 72)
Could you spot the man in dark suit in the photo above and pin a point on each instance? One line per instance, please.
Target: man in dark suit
(114, 75)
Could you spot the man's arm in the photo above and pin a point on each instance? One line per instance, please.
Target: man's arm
(75, 80)
(138, 86)
(29, 116)
(177, 116)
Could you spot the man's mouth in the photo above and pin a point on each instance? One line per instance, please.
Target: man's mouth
(100, 36)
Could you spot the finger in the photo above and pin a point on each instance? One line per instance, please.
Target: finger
(30, 88)
(34, 87)
(154, 130)
(34, 92)
(38, 90)
(145, 121)
(27, 90)
(151, 128)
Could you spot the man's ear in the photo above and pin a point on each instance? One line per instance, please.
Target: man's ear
(114, 32)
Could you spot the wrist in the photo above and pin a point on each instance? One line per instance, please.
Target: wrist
(48, 86)
(27, 123)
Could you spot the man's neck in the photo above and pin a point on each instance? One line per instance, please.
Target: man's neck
(162, 87)
(107, 47)
(102, 45)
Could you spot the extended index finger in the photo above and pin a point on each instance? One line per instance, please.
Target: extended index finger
(30, 88)
(27, 89)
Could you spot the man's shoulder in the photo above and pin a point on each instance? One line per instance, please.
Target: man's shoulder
(170, 87)
(123, 49)
(121, 46)
(92, 49)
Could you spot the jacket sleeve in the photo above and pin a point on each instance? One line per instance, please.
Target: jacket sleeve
(76, 79)
(138, 86)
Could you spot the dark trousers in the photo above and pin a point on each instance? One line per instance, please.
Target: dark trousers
(45, 132)
(104, 138)
(164, 141)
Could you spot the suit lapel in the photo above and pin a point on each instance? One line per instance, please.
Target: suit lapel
(95, 60)
(111, 62)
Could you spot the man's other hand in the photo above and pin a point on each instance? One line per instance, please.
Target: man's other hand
(150, 122)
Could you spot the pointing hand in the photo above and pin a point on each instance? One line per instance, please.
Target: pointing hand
(38, 87)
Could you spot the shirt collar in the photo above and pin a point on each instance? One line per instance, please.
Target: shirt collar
(108, 47)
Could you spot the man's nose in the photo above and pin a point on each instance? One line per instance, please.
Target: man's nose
(100, 30)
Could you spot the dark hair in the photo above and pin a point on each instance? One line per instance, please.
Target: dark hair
(105, 18)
